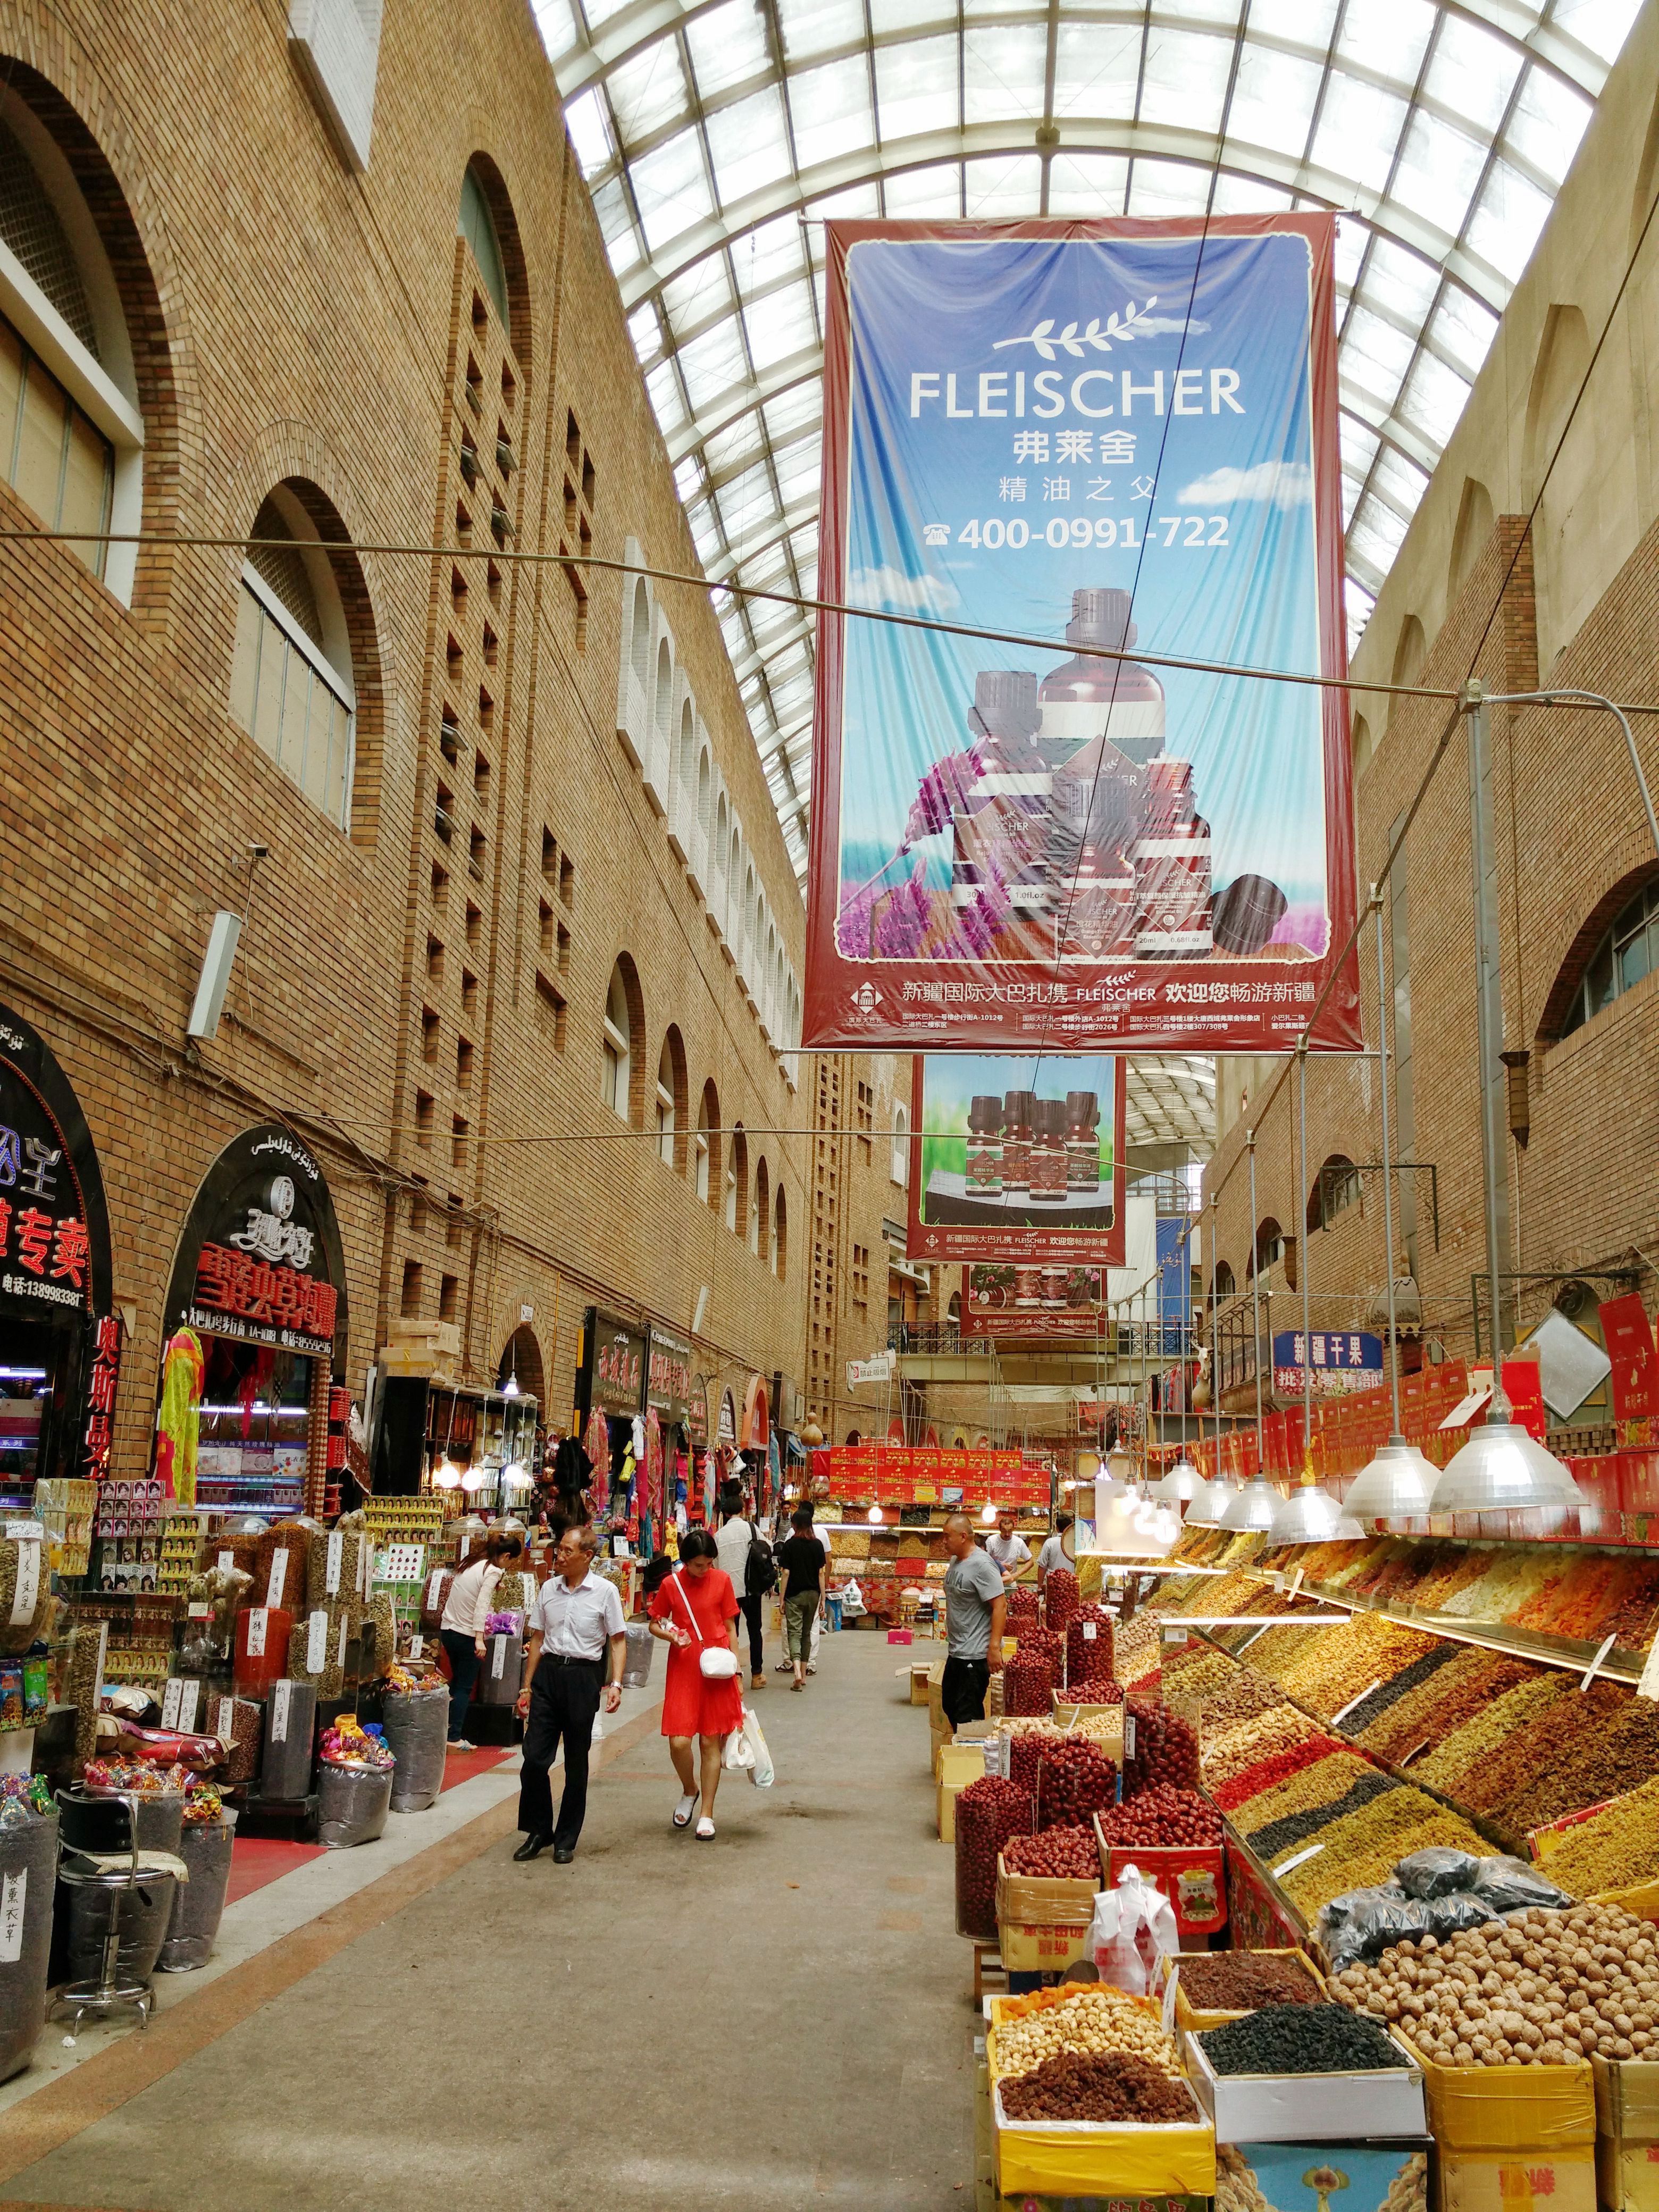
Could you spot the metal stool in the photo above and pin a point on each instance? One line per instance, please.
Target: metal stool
(101, 1825)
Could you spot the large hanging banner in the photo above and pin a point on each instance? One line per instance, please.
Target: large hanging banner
(1114, 432)
(1016, 1159)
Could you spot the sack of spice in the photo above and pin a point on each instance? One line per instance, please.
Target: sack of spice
(353, 1803)
(29, 1862)
(199, 1905)
(415, 1728)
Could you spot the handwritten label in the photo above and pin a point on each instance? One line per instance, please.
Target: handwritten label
(1289, 1866)
(227, 1561)
(278, 1581)
(1128, 1735)
(434, 1582)
(1338, 1718)
(26, 1594)
(331, 1569)
(280, 1698)
(316, 1641)
(189, 1691)
(416, 1645)
(1649, 1685)
(258, 1622)
(225, 1726)
(198, 1609)
(466, 1545)
(498, 1658)
(1591, 1671)
(170, 1702)
(13, 1892)
(27, 1532)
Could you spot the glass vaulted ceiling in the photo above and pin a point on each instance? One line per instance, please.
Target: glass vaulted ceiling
(716, 137)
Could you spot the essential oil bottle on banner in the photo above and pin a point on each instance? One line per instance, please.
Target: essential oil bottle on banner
(1000, 826)
(1171, 859)
(985, 1148)
(1018, 1117)
(1048, 1153)
(1082, 1141)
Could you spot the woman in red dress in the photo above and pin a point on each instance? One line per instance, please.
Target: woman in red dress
(693, 1610)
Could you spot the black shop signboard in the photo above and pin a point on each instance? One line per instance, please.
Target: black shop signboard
(613, 1366)
(260, 1260)
(60, 1342)
(668, 1376)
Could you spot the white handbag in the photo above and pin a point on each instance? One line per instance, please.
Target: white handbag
(716, 1663)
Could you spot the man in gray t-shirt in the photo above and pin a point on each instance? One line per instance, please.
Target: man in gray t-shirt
(974, 1607)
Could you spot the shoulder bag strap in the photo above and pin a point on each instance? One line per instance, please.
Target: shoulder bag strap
(686, 1595)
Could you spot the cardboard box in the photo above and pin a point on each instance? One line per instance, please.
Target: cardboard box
(1060, 2158)
(1297, 2177)
(948, 1793)
(1516, 2180)
(1042, 1921)
(919, 1684)
(1309, 2107)
(1542, 2109)
(1626, 2134)
(1067, 1715)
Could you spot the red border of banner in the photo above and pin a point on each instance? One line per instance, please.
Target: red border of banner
(832, 1018)
(1084, 1248)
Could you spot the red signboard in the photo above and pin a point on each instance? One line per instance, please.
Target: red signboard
(1627, 1334)
(1055, 1304)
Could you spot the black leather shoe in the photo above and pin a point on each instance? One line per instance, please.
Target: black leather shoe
(563, 1853)
(533, 1846)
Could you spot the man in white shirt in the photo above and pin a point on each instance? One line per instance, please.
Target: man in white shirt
(578, 1641)
(1008, 1553)
(1054, 1553)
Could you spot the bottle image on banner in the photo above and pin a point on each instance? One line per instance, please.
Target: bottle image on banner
(1048, 1153)
(1083, 1142)
(984, 1176)
(1171, 859)
(999, 824)
(1019, 1119)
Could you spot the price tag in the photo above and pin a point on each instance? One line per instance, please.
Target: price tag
(316, 1641)
(331, 1571)
(13, 1893)
(1338, 1718)
(198, 1609)
(189, 1691)
(1169, 1988)
(227, 1561)
(434, 1582)
(170, 1702)
(365, 1568)
(1591, 1670)
(1296, 1580)
(98, 1672)
(1417, 1751)
(1289, 1866)
(1649, 1685)
(281, 1698)
(1128, 1737)
(1090, 1630)
(339, 1656)
(278, 1581)
(27, 1532)
(466, 1545)
(498, 1658)
(225, 1726)
(416, 1645)
(1172, 1634)
(26, 1594)
(258, 1622)
(1278, 1579)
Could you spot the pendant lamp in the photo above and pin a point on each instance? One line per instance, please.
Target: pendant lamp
(1180, 1486)
(1504, 1470)
(1211, 1502)
(1396, 1485)
(1252, 1510)
(1311, 1515)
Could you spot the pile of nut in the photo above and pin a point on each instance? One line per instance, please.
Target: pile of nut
(1094, 2017)
(1542, 1989)
(1103, 2086)
(1244, 1981)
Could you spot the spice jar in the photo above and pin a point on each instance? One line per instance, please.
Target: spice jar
(1048, 1153)
(1018, 1113)
(1082, 1141)
(985, 1148)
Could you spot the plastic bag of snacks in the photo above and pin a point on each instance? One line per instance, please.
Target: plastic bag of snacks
(28, 1862)
(353, 1803)
(349, 1743)
(1133, 1926)
(417, 1724)
(199, 1904)
(990, 1811)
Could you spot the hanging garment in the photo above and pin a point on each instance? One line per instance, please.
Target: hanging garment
(571, 1469)
(184, 1365)
(597, 1444)
(654, 1463)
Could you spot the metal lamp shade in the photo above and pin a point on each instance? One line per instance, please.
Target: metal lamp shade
(1180, 1485)
(1209, 1505)
(1503, 1469)
(1396, 1485)
(1251, 1513)
(1311, 1515)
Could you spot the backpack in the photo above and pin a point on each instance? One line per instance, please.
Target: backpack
(760, 1572)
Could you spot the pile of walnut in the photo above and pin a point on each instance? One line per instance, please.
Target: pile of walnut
(1542, 1989)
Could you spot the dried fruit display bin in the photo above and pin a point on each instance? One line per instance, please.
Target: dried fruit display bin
(1198, 2018)
(1338, 2107)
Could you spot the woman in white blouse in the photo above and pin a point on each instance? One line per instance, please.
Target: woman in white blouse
(462, 1633)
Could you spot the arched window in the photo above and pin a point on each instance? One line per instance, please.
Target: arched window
(900, 1164)
(708, 1152)
(670, 1102)
(760, 1221)
(1616, 960)
(639, 639)
(1336, 1188)
(953, 1316)
(781, 1237)
(737, 1184)
(1269, 1247)
(1225, 1286)
(478, 227)
(74, 378)
(293, 685)
(663, 710)
(617, 1060)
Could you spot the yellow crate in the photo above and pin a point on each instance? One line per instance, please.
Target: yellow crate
(1518, 2180)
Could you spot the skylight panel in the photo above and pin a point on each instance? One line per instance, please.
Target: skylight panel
(1439, 168)
(648, 93)
(1398, 283)
(792, 410)
(714, 363)
(663, 384)
(646, 331)
(1472, 75)
(1504, 227)
(1359, 128)
(780, 324)
(728, 48)
(615, 220)
(1463, 329)
(1004, 187)
(1434, 397)
(1186, 78)
(830, 108)
(748, 145)
(935, 191)
(562, 34)
(1087, 185)
(814, 27)
(1548, 120)
(1387, 39)
(1168, 188)
(1273, 100)
(589, 125)
(916, 87)
(1003, 69)
(1600, 25)
(1096, 66)
(737, 446)
(671, 188)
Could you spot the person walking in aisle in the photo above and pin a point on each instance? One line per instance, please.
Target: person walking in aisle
(1053, 1553)
(461, 1631)
(1007, 1553)
(694, 1612)
(578, 1648)
(975, 1609)
(741, 1563)
(803, 1560)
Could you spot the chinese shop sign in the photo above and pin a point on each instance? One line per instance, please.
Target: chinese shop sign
(613, 1367)
(260, 1258)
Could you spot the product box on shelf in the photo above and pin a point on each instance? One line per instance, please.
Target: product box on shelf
(1626, 2134)
(1042, 1922)
(1516, 2180)
(1306, 2177)
(1078, 2160)
(1381, 2102)
(1067, 1715)
(1192, 1876)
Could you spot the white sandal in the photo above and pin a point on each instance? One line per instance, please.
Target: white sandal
(684, 1809)
(706, 1830)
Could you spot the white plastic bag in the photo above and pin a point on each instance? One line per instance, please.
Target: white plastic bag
(747, 1751)
(1133, 1926)
(737, 1753)
(852, 1601)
